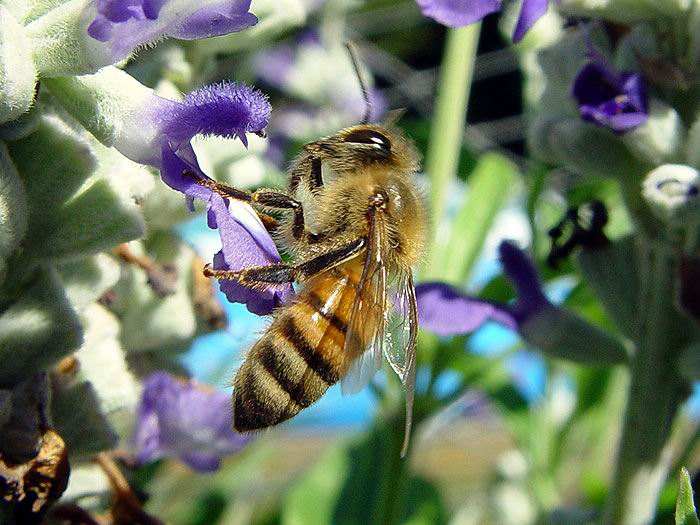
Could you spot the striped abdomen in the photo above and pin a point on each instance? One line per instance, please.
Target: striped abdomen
(301, 354)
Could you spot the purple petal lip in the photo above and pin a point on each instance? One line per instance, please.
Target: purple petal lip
(124, 25)
(229, 110)
(226, 109)
(245, 243)
(446, 311)
(609, 99)
(457, 13)
(183, 419)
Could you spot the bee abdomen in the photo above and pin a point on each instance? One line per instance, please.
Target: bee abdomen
(285, 371)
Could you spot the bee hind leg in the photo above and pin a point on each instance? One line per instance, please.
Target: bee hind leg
(281, 273)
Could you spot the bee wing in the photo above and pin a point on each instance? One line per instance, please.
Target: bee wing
(400, 349)
(366, 336)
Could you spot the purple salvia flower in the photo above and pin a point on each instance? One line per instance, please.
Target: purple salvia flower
(125, 25)
(617, 101)
(458, 13)
(227, 110)
(185, 420)
(446, 311)
(556, 331)
(245, 243)
(158, 131)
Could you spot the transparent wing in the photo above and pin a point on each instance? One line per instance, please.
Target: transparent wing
(400, 349)
(367, 326)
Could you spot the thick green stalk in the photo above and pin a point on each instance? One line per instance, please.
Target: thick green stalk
(447, 131)
(655, 394)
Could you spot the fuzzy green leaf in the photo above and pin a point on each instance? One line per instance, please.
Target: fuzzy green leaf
(151, 322)
(104, 393)
(685, 507)
(86, 280)
(17, 73)
(13, 205)
(37, 329)
(73, 211)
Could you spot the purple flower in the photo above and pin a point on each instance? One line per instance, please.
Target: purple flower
(125, 25)
(185, 420)
(617, 101)
(446, 311)
(557, 332)
(232, 111)
(153, 130)
(457, 13)
(245, 243)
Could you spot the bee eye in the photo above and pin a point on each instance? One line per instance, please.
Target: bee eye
(371, 137)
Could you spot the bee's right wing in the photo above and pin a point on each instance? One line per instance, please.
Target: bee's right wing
(366, 336)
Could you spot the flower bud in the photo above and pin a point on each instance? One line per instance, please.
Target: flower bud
(660, 138)
(672, 190)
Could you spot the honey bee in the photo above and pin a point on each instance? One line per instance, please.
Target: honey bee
(354, 224)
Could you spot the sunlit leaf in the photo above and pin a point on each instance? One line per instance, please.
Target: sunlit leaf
(685, 506)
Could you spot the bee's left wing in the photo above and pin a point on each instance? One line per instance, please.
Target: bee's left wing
(367, 325)
(383, 321)
(402, 332)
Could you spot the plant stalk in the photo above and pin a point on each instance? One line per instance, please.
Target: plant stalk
(450, 112)
(655, 395)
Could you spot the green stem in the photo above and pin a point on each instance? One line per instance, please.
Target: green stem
(447, 131)
(655, 394)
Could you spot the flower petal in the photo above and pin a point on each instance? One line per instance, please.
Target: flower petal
(245, 243)
(457, 13)
(522, 273)
(608, 99)
(530, 12)
(125, 25)
(216, 20)
(186, 420)
(446, 311)
(226, 109)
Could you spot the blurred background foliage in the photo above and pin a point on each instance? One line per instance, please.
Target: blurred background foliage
(504, 434)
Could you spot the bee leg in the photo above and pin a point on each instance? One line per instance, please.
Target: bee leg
(284, 273)
(229, 192)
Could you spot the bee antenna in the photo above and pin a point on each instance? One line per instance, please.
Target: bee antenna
(352, 51)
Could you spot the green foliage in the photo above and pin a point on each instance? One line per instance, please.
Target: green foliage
(363, 482)
(490, 187)
(685, 507)
(40, 326)
(73, 212)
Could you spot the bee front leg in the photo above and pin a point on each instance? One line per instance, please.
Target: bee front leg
(229, 192)
(281, 273)
(267, 198)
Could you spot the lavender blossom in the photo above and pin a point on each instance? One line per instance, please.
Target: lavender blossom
(557, 332)
(458, 13)
(185, 420)
(153, 130)
(617, 101)
(232, 111)
(446, 311)
(125, 25)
